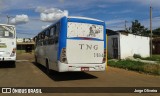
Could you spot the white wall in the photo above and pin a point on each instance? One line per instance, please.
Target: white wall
(133, 44)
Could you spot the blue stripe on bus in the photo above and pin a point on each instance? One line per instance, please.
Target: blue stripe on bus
(83, 38)
(105, 46)
(78, 20)
(62, 35)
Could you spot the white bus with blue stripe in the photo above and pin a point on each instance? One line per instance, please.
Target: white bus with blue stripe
(72, 44)
(7, 43)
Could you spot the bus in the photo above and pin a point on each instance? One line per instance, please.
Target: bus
(72, 44)
(7, 43)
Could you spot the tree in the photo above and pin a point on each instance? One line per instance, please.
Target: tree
(156, 32)
(137, 28)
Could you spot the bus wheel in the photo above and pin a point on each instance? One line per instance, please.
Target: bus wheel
(36, 60)
(47, 67)
(13, 65)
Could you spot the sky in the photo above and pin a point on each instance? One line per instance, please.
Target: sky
(31, 16)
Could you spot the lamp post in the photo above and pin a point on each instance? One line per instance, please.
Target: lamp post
(8, 17)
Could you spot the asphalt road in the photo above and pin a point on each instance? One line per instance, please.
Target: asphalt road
(27, 74)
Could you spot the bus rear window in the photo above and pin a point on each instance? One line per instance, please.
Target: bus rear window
(85, 30)
(6, 31)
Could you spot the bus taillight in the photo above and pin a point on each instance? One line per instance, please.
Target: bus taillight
(63, 57)
(14, 50)
(104, 57)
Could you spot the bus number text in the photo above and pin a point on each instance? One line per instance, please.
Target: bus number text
(98, 55)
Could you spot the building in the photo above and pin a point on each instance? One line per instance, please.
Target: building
(156, 45)
(122, 45)
(25, 44)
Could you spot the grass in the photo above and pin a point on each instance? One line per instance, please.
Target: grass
(136, 66)
(153, 58)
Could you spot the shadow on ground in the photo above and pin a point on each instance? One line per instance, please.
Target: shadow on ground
(65, 76)
(7, 64)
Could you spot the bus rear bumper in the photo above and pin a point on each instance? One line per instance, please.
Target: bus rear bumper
(62, 67)
(7, 58)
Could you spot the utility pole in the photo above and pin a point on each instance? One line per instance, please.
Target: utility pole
(151, 31)
(8, 17)
(125, 25)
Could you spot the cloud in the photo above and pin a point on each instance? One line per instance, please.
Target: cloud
(3, 5)
(62, 1)
(45, 26)
(32, 27)
(51, 14)
(118, 24)
(114, 21)
(155, 23)
(40, 9)
(154, 3)
(20, 19)
(121, 12)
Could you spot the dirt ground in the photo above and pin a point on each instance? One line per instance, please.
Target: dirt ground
(27, 74)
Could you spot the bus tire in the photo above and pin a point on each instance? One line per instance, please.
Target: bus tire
(13, 64)
(47, 67)
(36, 60)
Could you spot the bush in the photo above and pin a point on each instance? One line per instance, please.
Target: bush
(153, 58)
(136, 66)
(137, 56)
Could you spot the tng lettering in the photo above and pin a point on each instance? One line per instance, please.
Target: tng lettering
(88, 47)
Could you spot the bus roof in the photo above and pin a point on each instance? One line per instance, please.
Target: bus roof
(78, 17)
(85, 18)
(7, 25)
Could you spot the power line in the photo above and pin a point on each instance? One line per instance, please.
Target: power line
(25, 33)
(11, 16)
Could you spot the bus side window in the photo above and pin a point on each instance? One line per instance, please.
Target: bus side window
(35, 40)
(57, 29)
(52, 32)
(38, 40)
(57, 32)
(46, 34)
(41, 39)
(46, 37)
(52, 35)
(43, 35)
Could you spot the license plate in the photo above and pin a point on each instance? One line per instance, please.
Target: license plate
(84, 68)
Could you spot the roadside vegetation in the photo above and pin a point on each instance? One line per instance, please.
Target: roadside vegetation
(136, 66)
(153, 58)
(138, 29)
